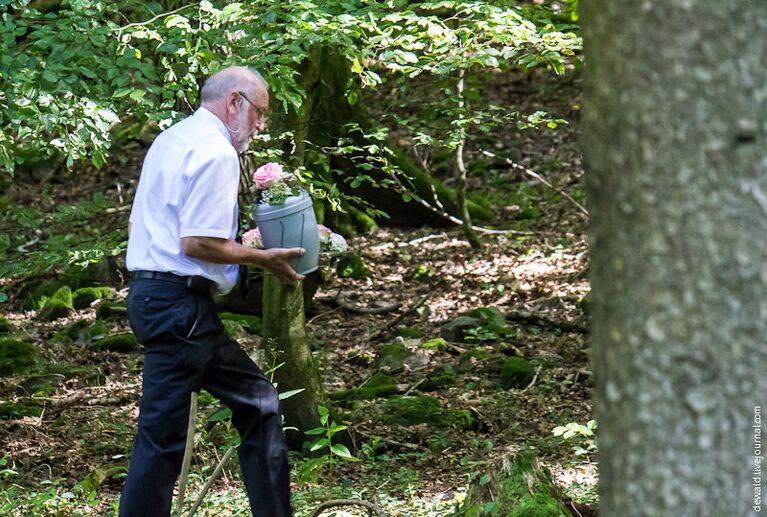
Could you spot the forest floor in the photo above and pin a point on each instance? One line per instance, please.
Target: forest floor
(69, 456)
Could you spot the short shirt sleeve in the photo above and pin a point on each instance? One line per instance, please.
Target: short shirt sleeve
(209, 204)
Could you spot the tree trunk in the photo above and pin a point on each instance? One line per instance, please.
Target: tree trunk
(674, 134)
(285, 340)
(322, 120)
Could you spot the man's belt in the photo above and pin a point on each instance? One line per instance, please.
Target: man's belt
(196, 283)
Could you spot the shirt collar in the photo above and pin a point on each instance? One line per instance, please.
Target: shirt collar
(208, 117)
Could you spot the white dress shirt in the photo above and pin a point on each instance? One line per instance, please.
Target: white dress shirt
(188, 188)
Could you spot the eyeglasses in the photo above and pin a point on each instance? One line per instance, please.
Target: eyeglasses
(261, 112)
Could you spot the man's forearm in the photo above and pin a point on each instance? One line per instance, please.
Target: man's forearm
(226, 251)
(221, 251)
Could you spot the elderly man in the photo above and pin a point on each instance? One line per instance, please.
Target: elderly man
(181, 248)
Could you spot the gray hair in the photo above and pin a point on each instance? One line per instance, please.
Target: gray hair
(232, 79)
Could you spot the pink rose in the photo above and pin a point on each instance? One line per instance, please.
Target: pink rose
(252, 239)
(324, 232)
(267, 175)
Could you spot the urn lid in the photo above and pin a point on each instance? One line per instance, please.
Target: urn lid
(292, 204)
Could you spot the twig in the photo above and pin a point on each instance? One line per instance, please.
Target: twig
(323, 314)
(349, 502)
(150, 20)
(442, 235)
(411, 446)
(187, 461)
(414, 386)
(211, 479)
(538, 177)
(535, 378)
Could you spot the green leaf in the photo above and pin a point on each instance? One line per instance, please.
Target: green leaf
(287, 394)
(336, 428)
(341, 451)
(121, 93)
(316, 431)
(319, 445)
(137, 95)
(3, 297)
(220, 415)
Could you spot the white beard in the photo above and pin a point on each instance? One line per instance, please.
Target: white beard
(241, 139)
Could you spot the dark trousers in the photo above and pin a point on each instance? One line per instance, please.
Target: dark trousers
(185, 349)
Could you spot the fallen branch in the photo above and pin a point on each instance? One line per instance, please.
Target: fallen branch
(80, 398)
(543, 321)
(411, 446)
(349, 502)
(351, 307)
(540, 178)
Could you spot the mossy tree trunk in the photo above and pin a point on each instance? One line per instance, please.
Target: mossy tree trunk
(286, 341)
(323, 119)
(675, 126)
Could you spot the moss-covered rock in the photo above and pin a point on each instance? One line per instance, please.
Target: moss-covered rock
(74, 277)
(57, 306)
(125, 342)
(516, 372)
(409, 332)
(456, 330)
(109, 310)
(251, 324)
(16, 356)
(379, 385)
(474, 355)
(82, 331)
(85, 296)
(435, 344)
(11, 410)
(88, 374)
(437, 382)
(515, 487)
(392, 356)
(351, 265)
(5, 326)
(422, 409)
(45, 384)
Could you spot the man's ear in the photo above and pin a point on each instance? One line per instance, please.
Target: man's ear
(233, 102)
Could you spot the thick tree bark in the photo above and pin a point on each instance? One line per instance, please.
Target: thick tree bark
(285, 339)
(674, 137)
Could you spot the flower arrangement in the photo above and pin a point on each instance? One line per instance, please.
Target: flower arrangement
(273, 184)
(330, 242)
(273, 187)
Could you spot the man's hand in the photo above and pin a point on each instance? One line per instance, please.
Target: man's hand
(276, 262)
(225, 251)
